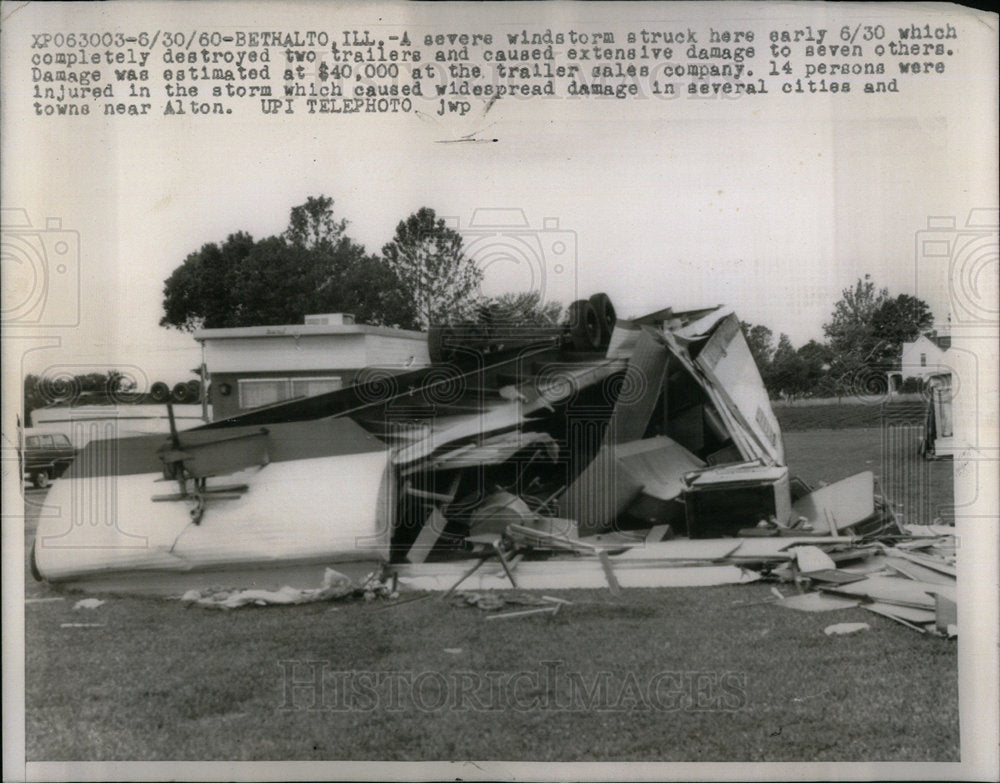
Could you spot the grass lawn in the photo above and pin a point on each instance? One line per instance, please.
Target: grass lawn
(848, 415)
(670, 674)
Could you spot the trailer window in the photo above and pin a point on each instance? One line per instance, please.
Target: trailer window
(265, 391)
(310, 387)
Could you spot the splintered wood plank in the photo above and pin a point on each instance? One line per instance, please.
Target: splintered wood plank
(918, 572)
(895, 590)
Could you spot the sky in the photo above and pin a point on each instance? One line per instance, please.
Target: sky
(770, 205)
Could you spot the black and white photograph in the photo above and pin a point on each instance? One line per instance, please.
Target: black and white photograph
(500, 391)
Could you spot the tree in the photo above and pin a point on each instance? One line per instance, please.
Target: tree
(427, 258)
(786, 373)
(900, 320)
(866, 331)
(313, 267)
(760, 340)
(816, 360)
(198, 293)
(312, 225)
(850, 332)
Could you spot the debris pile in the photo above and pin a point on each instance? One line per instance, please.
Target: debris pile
(911, 580)
(599, 453)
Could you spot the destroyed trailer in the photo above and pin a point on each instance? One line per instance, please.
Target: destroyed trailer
(601, 452)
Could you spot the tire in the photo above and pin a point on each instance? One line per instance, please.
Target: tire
(194, 391)
(584, 326)
(605, 315)
(40, 479)
(159, 392)
(180, 393)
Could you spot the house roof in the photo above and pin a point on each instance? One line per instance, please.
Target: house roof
(304, 330)
(942, 341)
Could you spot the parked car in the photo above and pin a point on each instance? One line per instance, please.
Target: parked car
(45, 456)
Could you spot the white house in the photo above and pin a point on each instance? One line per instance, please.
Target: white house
(925, 356)
(259, 365)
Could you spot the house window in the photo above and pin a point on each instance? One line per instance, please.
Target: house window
(264, 391)
(923, 360)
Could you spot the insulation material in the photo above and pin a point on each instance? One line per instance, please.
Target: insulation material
(335, 585)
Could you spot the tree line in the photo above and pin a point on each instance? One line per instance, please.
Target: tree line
(422, 276)
(864, 339)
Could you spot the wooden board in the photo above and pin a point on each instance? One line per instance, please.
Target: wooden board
(932, 563)
(895, 590)
(918, 572)
(908, 613)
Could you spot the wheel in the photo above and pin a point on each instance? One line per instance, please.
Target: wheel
(584, 326)
(194, 390)
(181, 393)
(159, 392)
(605, 316)
(40, 478)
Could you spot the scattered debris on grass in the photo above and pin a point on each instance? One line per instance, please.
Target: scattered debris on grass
(88, 603)
(843, 629)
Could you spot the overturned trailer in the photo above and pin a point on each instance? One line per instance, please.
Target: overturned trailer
(585, 439)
